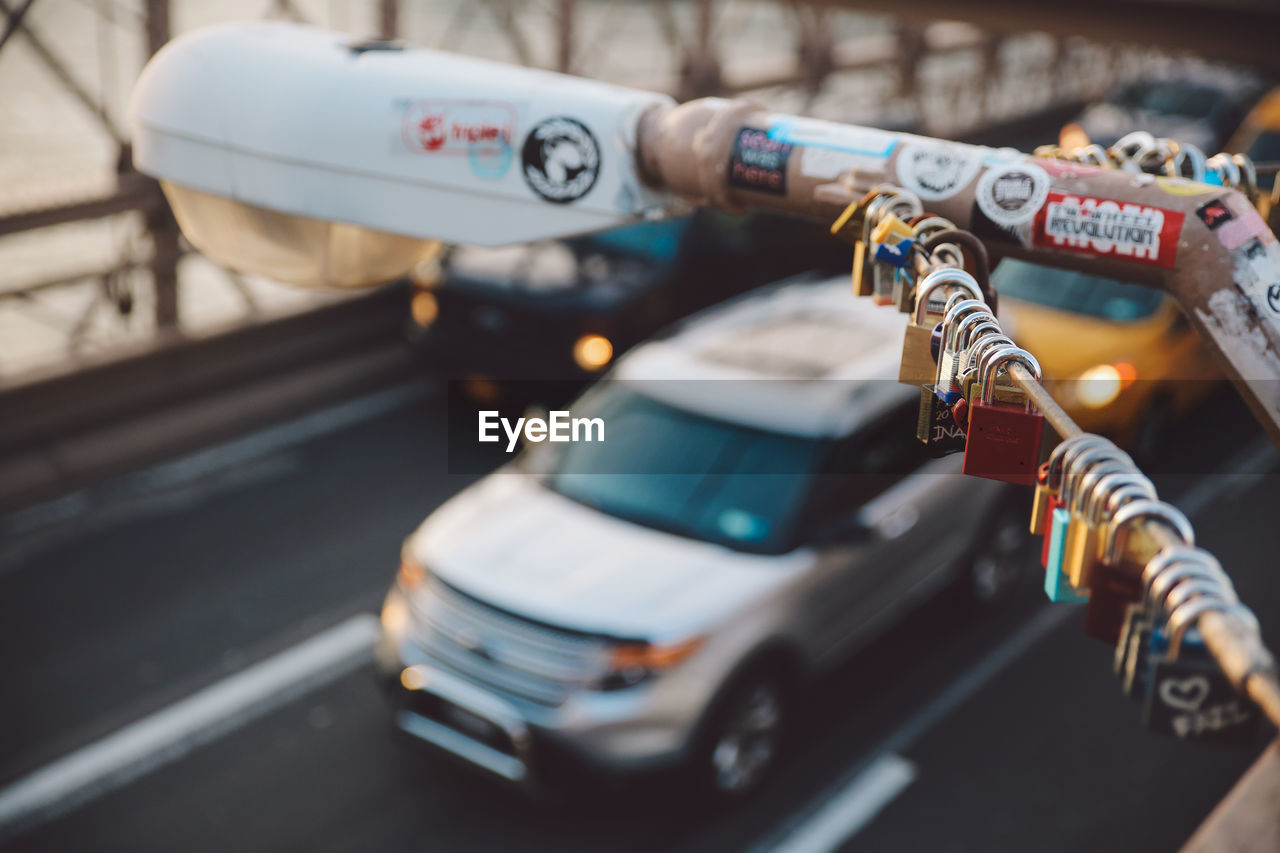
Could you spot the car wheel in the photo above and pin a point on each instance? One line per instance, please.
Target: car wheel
(1002, 555)
(743, 742)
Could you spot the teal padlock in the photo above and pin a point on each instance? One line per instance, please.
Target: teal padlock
(1057, 584)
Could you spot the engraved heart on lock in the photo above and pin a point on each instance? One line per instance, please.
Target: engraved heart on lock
(1187, 694)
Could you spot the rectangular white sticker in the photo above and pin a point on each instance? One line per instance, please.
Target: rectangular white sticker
(829, 163)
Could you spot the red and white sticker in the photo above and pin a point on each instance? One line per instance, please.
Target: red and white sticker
(459, 127)
(1110, 229)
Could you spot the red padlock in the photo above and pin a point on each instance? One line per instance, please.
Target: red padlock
(1004, 438)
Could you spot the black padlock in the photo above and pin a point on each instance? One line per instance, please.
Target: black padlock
(1189, 698)
(937, 427)
(1187, 695)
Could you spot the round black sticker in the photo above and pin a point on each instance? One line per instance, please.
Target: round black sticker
(561, 159)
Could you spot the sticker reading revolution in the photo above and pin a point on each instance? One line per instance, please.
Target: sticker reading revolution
(1107, 228)
(758, 162)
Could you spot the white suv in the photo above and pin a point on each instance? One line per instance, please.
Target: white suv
(760, 508)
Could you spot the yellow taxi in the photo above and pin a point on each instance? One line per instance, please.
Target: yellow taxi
(1121, 359)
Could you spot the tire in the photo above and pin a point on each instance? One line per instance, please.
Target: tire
(742, 741)
(1002, 555)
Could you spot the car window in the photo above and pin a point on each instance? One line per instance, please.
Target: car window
(871, 461)
(1075, 291)
(681, 472)
(1168, 98)
(1266, 149)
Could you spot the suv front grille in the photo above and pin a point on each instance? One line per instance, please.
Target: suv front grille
(503, 651)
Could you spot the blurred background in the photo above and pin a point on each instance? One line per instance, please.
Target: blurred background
(207, 476)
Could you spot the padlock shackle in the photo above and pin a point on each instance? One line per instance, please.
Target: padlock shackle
(888, 200)
(931, 224)
(1187, 153)
(1189, 614)
(1001, 357)
(1126, 495)
(1084, 443)
(955, 312)
(981, 345)
(1192, 586)
(980, 353)
(971, 336)
(872, 211)
(955, 299)
(946, 253)
(1080, 462)
(1085, 486)
(1170, 558)
(942, 278)
(1059, 455)
(944, 374)
(1099, 498)
(989, 354)
(1157, 597)
(960, 329)
(1117, 532)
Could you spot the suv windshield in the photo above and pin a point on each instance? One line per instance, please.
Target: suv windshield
(1075, 291)
(683, 473)
(1168, 98)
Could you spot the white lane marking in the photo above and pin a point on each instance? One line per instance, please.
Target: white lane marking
(854, 807)
(1253, 457)
(172, 732)
(211, 460)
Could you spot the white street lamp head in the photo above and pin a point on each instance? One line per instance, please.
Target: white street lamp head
(313, 158)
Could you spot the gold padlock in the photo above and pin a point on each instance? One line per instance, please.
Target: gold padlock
(1078, 527)
(891, 229)
(1108, 494)
(985, 342)
(922, 227)
(860, 263)
(1126, 547)
(1082, 550)
(863, 283)
(918, 366)
(852, 221)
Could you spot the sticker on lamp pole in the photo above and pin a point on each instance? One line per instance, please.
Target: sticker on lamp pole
(560, 159)
(1010, 194)
(936, 171)
(1108, 228)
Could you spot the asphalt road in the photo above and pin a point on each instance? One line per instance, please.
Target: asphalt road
(121, 602)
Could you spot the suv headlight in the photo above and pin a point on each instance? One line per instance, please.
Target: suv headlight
(395, 608)
(631, 663)
(412, 573)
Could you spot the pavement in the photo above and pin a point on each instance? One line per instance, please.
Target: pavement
(185, 653)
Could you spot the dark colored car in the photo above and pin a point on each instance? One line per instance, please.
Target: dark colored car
(516, 322)
(1201, 105)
